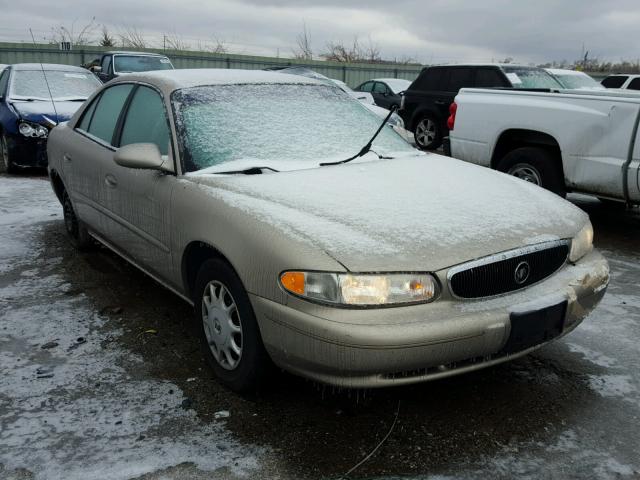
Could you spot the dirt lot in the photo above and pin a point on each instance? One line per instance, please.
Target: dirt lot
(101, 378)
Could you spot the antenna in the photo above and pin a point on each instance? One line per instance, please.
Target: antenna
(45, 80)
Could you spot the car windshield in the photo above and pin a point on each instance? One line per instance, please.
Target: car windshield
(529, 77)
(140, 63)
(64, 85)
(576, 81)
(397, 85)
(285, 126)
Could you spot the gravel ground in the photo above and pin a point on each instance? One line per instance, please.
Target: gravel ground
(101, 378)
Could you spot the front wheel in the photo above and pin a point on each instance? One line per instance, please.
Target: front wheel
(428, 133)
(534, 165)
(228, 329)
(6, 159)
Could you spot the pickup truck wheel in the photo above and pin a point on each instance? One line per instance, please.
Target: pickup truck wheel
(78, 234)
(536, 166)
(428, 133)
(228, 329)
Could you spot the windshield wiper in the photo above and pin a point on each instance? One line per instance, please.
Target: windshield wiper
(367, 147)
(247, 171)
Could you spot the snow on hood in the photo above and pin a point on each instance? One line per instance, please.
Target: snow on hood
(425, 212)
(36, 111)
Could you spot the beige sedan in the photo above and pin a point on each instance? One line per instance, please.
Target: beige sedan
(261, 199)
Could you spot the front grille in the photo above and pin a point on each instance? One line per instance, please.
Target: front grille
(508, 271)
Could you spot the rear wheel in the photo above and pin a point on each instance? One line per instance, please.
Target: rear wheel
(228, 329)
(78, 234)
(428, 133)
(6, 159)
(534, 165)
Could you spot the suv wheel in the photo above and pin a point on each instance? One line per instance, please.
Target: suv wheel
(534, 165)
(428, 133)
(228, 329)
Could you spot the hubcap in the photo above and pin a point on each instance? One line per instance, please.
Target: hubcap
(426, 132)
(527, 173)
(222, 327)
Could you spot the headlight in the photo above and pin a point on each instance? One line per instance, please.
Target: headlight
(582, 243)
(33, 130)
(396, 120)
(361, 289)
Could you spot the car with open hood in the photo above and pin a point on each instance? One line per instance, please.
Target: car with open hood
(34, 98)
(306, 233)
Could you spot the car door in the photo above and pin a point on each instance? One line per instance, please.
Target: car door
(87, 154)
(139, 200)
(380, 94)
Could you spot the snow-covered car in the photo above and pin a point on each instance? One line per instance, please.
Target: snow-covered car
(364, 97)
(573, 79)
(338, 252)
(34, 97)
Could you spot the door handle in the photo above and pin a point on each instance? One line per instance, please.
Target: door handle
(66, 157)
(110, 180)
(440, 102)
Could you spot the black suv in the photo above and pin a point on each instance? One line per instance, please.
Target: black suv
(112, 64)
(425, 104)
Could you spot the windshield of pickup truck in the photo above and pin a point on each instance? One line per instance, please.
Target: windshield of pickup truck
(276, 124)
(140, 63)
(530, 77)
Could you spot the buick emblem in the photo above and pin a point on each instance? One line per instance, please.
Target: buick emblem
(521, 273)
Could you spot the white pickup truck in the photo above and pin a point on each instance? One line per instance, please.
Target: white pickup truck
(565, 141)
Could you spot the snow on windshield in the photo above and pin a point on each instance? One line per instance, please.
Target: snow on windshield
(63, 84)
(578, 81)
(528, 77)
(275, 123)
(140, 63)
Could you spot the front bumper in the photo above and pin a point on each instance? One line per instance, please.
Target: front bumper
(28, 151)
(367, 348)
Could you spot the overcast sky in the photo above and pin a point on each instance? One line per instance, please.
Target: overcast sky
(428, 30)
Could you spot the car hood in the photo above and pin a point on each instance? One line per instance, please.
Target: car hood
(421, 213)
(36, 111)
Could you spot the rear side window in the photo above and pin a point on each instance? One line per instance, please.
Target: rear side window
(87, 115)
(380, 88)
(488, 78)
(146, 121)
(634, 84)
(459, 78)
(107, 112)
(614, 81)
(430, 79)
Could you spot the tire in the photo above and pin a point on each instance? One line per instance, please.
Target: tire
(77, 232)
(613, 204)
(534, 165)
(428, 133)
(6, 162)
(227, 327)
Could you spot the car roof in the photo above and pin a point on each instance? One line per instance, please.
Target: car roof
(389, 80)
(565, 71)
(47, 66)
(125, 52)
(170, 80)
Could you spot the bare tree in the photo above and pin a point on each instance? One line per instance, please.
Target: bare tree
(303, 51)
(219, 45)
(356, 52)
(71, 34)
(107, 40)
(132, 38)
(175, 42)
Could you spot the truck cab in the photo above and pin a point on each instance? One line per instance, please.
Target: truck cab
(113, 64)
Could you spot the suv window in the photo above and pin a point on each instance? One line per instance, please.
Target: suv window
(4, 80)
(108, 110)
(489, 77)
(614, 81)
(106, 63)
(430, 79)
(146, 121)
(634, 84)
(459, 78)
(379, 88)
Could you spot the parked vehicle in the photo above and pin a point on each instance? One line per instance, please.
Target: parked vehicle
(630, 82)
(425, 104)
(113, 64)
(364, 97)
(273, 238)
(573, 79)
(34, 98)
(2, 67)
(385, 91)
(578, 141)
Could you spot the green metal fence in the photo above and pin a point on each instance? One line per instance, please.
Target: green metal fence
(352, 74)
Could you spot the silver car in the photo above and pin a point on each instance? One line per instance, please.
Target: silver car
(260, 198)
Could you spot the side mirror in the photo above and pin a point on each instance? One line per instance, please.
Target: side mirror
(139, 155)
(96, 69)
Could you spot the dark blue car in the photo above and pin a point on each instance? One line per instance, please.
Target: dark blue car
(34, 98)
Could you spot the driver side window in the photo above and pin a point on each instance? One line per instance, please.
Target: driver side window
(146, 121)
(106, 63)
(4, 80)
